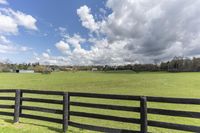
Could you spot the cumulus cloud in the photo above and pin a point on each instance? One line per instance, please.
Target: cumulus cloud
(154, 29)
(63, 47)
(7, 25)
(45, 55)
(136, 32)
(47, 59)
(11, 20)
(4, 40)
(4, 2)
(6, 46)
(22, 19)
(75, 40)
(87, 18)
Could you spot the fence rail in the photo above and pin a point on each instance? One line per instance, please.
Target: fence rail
(143, 121)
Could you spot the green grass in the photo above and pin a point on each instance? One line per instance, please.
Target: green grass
(163, 84)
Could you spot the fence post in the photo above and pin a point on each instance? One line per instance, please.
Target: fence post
(143, 114)
(17, 106)
(65, 111)
(68, 106)
(21, 95)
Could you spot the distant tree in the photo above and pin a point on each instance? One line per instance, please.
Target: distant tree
(42, 69)
(196, 64)
(164, 66)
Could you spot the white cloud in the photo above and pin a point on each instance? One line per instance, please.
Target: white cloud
(11, 20)
(75, 40)
(50, 60)
(48, 51)
(7, 25)
(4, 2)
(45, 55)
(8, 47)
(61, 30)
(24, 49)
(70, 43)
(136, 31)
(4, 40)
(5, 45)
(63, 47)
(86, 18)
(12, 49)
(158, 29)
(23, 19)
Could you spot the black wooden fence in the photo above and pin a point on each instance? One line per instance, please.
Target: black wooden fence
(143, 121)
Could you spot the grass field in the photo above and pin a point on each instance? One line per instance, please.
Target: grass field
(163, 84)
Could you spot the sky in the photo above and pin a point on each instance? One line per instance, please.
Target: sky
(98, 32)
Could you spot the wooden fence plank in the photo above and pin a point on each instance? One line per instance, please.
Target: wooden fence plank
(44, 92)
(6, 113)
(174, 126)
(7, 90)
(174, 113)
(6, 98)
(105, 96)
(105, 117)
(104, 106)
(174, 100)
(27, 99)
(7, 106)
(41, 109)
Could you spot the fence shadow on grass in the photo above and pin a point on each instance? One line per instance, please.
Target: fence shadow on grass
(57, 130)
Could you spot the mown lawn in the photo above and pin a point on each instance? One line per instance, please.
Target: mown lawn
(162, 84)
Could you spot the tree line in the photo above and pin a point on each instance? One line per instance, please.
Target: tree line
(177, 64)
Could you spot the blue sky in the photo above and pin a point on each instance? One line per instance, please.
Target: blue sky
(98, 32)
(50, 16)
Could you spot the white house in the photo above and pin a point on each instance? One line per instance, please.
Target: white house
(24, 71)
(94, 69)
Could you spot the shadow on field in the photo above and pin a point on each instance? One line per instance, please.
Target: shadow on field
(7, 120)
(50, 128)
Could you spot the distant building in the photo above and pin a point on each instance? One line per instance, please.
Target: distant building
(94, 69)
(24, 71)
(68, 69)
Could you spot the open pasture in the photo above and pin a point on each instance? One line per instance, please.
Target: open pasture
(161, 84)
